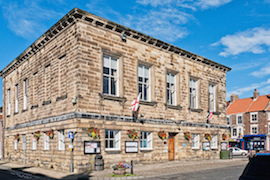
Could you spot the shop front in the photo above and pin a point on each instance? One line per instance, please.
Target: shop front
(255, 142)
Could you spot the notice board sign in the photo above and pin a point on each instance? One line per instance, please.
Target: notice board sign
(131, 146)
(223, 146)
(91, 147)
(206, 146)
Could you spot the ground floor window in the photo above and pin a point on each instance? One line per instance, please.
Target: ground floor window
(34, 145)
(112, 139)
(61, 140)
(15, 144)
(146, 140)
(214, 141)
(195, 141)
(46, 142)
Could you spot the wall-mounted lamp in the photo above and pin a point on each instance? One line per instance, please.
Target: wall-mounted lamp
(142, 115)
(74, 101)
(124, 37)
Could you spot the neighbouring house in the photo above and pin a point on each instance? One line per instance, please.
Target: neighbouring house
(78, 80)
(249, 121)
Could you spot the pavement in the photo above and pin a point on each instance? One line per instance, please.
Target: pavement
(142, 171)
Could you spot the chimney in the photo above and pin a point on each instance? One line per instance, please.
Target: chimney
(255, 94)
(234, 97)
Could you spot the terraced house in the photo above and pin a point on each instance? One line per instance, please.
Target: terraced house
(82, 75)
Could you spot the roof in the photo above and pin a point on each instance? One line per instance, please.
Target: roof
(249, 105)
(78, 14)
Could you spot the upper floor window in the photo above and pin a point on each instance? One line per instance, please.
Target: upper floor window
(193, 93)
(195, 141)
(146, 140)
(171, 90)
(268, 114)
(9, 102)
(239, 119)
(16, 98)
(144, 82)
(254, 129)
(254, 117)
(212, 98)
(228, 120)
(110, 75)
(25, 89)
(112, 139)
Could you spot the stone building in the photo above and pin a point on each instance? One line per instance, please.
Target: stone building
(1, 133)
(249, 120)
(84, 72)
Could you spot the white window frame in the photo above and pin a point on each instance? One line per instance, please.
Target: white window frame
(268, 114)
(214, 141)
(61, 140)
(34, 143)
(193, 93)
(116, 140)
(148, 140)
(109, 76)
(171, 82)
(15, 144)
(25, 91)
(240, 130)
(212, 97)
(253, 126)
(24, 141)
(16, 98)
(142, 73)
(237, 116)
(46, 142)
(9, 102)
(232, 133)
(195, 144)
(251, 116)
(268, 127)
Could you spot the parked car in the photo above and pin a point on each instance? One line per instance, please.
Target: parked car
(257, 168)
(237, 151)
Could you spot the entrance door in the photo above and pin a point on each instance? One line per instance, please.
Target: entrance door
(171, 149)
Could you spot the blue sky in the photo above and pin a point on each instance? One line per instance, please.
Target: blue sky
(235, 33)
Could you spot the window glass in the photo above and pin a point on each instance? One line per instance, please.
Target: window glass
(110, 75)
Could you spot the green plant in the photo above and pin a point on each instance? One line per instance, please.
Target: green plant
(132, 134)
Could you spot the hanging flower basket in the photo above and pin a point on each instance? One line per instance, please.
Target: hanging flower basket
(230, 135)
(187, 136)
(162, 135)
(208, 137)
(132, 134)
(93, 133)
(224, 136)
(50, 134)
(37, 135)
(17, 137)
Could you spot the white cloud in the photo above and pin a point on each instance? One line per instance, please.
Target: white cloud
(262, 72)
(254, 40)
(27, 19)
(244, 66)
(206, 4)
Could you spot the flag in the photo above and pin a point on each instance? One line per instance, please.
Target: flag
(210, 115)
(135, 103)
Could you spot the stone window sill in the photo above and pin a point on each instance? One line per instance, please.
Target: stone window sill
(112, 98)
(113, 150)
(8, 116)
(61, 97)
(146, 149)
(195, 110)
(176, 107)
(46, 102)
(34, 106)
(24, 110)
(196, 149)
(148, 103)
(16, 113)
(216, 113)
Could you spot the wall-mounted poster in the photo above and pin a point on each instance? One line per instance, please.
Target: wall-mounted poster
(131, 146)
(206, 146)
(91, 147)
(223, 146)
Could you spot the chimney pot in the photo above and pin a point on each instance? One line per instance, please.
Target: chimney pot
(255, 94)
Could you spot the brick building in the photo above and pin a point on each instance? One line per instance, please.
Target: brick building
(84, 72)
(249, 121)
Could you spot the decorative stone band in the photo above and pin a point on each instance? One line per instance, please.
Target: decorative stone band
(111, 118)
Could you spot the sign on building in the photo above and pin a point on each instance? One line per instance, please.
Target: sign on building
(91, 147)
(131, 146)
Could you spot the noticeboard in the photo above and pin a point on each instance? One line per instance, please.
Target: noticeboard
(91, 147)
(131, 146)
(206, 146)
(223, 146)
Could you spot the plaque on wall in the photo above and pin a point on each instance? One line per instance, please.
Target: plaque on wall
(206, 146)
(223, 146)
(91, 147)
(131, 146)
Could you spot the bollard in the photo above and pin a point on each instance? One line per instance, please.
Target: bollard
(131, 170)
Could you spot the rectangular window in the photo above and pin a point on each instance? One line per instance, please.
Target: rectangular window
(171, 89)
(61, 140)
(234, 132)
(46, 142)
(34, 144)
(24, 141)
(268, 114)
(240, 131)
(269, 128)
(214, 141)
(16, 98)
(15, 144)
(254, 117)
(110, 75)
(112, 140)
(195, 141)
(193, 93)
(9, 102)
(239, 119)
(146, 140)
(25, 89)
(254, 129)
(228, 120)
(144, 82)
(212, 98)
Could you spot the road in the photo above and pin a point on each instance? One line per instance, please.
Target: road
(228, 173)
(15, 175)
